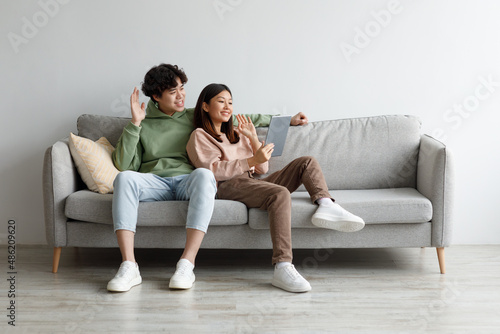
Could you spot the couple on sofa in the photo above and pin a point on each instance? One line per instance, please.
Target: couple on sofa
(162, 158)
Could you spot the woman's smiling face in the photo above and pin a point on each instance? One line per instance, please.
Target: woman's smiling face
(220, 108)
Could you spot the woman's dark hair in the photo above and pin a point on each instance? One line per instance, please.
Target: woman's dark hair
(202, 118)
(162, 77)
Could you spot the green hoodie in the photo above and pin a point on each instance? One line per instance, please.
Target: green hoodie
(158, 145)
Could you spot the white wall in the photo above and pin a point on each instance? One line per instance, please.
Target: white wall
(424, 58)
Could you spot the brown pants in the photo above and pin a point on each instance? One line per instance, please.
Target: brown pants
(273, 194)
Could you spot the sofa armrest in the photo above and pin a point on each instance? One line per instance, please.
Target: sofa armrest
(435, 180)
(60, 179)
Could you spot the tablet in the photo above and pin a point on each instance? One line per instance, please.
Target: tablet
(278, 129)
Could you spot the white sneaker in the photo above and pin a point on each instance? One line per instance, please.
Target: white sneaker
(337, 218)
(184, 276)
(127, 276)
(289, 279)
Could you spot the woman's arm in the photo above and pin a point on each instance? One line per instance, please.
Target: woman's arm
(261, 152)
(205, 152)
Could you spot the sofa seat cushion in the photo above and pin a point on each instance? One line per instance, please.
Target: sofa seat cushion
(87, 206)
(375, 206)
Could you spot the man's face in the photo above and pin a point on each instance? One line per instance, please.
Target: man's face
(172, 99)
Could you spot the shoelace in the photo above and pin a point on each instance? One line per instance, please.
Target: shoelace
(181, 270)
(292, 272)
(124, 270)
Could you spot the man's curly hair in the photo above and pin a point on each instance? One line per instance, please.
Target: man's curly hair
(160, 78)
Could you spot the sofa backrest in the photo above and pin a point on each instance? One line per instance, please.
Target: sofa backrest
(357, 153)
(97, 126)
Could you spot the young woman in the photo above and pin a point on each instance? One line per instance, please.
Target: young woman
(235, 154)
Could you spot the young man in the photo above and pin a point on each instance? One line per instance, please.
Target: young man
(151, 154)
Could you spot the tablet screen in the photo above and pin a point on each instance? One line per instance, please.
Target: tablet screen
(278, 129)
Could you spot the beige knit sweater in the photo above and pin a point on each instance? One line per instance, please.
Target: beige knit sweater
(224, 159)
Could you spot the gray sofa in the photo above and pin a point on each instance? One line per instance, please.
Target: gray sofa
(379, 168)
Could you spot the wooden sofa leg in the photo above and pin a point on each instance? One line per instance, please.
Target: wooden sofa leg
(440, 254)
(55, 261)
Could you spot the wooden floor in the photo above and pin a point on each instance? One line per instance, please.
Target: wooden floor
(354, 291)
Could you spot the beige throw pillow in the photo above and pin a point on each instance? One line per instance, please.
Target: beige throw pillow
(93, 162)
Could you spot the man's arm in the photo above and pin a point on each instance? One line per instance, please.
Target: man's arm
(299, 119)
(261, 120)
(128, 152)
(258, 120)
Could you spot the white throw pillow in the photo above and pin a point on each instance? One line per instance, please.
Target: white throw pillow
(93, 162)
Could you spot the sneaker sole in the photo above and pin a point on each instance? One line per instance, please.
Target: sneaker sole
(121, 288)
(324, 221)
(280, 285)
(180, 286)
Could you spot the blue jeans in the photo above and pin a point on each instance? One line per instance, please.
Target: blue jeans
(130, 188)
